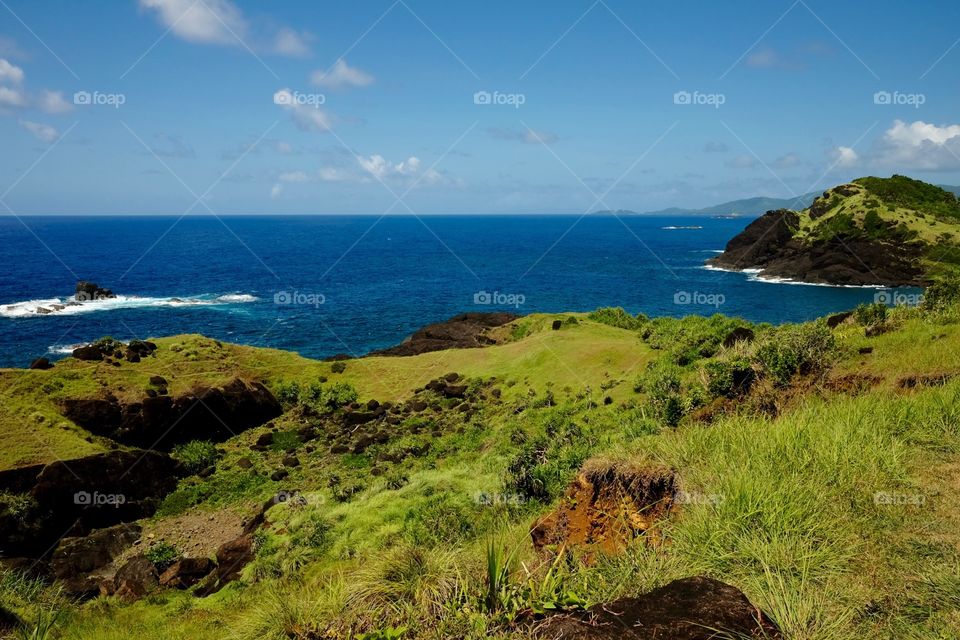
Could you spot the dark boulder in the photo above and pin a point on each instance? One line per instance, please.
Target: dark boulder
(41, 363)
(158, 381)
(740, 334)
(186, 572)
(87, 291)
(698, 608)
(135, 579)
(837, 319)
(80, 564)
(557, 324)
(232, 557)
(88, 352)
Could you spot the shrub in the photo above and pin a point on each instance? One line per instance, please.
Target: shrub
(662, 386)
(793, 349)
(617, 317)
(870, 315)
(338, 367)
(686, 340)
(727, 377)
(942, 294)
(162, 555)
(317, 396)
(196, 455)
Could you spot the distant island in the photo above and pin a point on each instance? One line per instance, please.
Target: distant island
(873, 231)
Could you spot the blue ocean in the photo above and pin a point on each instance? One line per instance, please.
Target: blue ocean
(326, 285)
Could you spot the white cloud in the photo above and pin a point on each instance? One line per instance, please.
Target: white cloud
(307, 117)
(845, 157)
(206, 22)
(341, 75)
(742, 162)
(293, 44)
(54, 103)
(919, 146)
(294, 176)
(10, 72)
(334, 174)
(43, 132)
(12, 98)
(528, 136)
(222, 22)
(10, 49)
(378, 167)
(276, 191)
(763, 59)
(787, 161)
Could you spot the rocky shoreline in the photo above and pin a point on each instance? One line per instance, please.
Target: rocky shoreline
(769, 244)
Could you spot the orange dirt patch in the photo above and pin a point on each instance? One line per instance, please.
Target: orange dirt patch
(605, 508)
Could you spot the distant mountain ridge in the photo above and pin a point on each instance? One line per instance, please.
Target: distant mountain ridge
(746, 207)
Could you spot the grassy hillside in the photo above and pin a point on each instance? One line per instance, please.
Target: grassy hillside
(827, 490)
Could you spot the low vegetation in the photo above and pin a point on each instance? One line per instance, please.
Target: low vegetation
(818, 470)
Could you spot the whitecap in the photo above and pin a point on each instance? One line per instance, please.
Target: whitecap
(68, 306)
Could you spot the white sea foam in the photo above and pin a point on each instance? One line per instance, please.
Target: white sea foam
(68, 307)
(756, 275)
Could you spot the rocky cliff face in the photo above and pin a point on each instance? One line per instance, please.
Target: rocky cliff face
(891, 232)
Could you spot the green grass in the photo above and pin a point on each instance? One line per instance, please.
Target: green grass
(815, 514)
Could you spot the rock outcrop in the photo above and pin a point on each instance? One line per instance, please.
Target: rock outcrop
(80, 564)
(698, 608)
(87, 291)
(605, 508)
(465, 331)
(161, 422)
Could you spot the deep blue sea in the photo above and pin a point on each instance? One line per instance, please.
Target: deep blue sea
(350, 284)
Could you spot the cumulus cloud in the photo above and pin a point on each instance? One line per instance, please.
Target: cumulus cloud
(307, 117)
(276, 191)
(527, 136)
(53, 102)
(919, 146)
(370, 169)
(12, 98)
(742, 162)
(206, 22)
(40, 131)
(340, 76)
(291, 43)
(845, 157)
(221, 22)
(787, 161)
(9, 72)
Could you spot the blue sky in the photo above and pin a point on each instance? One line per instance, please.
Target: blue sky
(370, 107)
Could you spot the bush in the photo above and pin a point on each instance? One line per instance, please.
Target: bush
(338, 367)
(196, 455)
(662, 386)
(792, 349)
(942, 294)
(317, 396)
(162, 555)
(727, 377)
(870, 315)
(545, 462)
(686, 340)
(617, 317)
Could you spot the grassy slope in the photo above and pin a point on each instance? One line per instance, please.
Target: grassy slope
(796, 524)
(591, 354)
